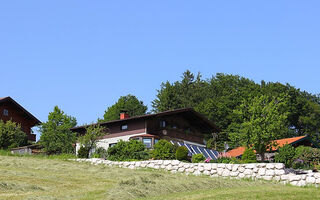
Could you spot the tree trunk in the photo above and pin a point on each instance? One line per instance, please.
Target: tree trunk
(261, 156)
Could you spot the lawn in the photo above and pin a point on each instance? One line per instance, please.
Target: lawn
(43, 178)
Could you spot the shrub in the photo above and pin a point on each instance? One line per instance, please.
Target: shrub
(100, 153)
(126, 150)
(197, 158)
(11, 135)
(182, 153)
(285, 155)
(163, 150)
(83, 152)
(249, 155)
(306, 157)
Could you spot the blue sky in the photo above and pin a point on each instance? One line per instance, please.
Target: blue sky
(83, 55)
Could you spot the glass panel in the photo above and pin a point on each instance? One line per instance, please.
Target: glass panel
(147, 142)
(156, 140)
(124, 127)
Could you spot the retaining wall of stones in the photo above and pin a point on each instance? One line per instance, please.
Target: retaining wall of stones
(267, 171)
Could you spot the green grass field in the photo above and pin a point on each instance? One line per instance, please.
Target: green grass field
(43, 178)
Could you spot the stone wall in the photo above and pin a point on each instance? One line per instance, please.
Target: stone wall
(267, 171)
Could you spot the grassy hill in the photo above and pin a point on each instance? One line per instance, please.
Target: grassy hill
(43, 178)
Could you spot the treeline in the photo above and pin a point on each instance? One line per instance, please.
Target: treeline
(227, 100)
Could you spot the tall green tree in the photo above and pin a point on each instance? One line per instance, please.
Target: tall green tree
(263, 122)
(11, 135)
(129, 103)
(56, 136)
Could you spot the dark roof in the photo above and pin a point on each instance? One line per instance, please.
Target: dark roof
(165, 113)
(5, 99)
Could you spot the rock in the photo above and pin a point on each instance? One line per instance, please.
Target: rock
(302, 183)
(255, 170)
(131, 167)
(262, 171)
(247, 172)
(181, 169)
(235, 167)
(219, 171)
(250, 166)
(229, 166)
(206, 172)
(317, 175)
(190, 170)
(279, 166)
(294, 182)
(225, 173)
(197, 173)
(269, 172)
(293, 178)
(214, 165)
(279, 171)
(277, 178)
(221, 165)
(169, 167)
(175, 162)
(201, 169)
(233, 174)
(311, 180)
(213, 171)
(166, 162)
(241, 175)
(268, 178)
(270, 166)
(260, 165)
(207, 167)
(241, 169)
(284, 177)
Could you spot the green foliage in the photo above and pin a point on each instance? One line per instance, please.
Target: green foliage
(129, 103)
(285, 155)
(182, 153)
(306, 157)
(249, 155)
(100, 152)
(263, 121)
(11, 135)
(163, 150)
(221, 97)
(90, 138)
(56, 136)
(197, 158)
(83, 152)
(126, 150)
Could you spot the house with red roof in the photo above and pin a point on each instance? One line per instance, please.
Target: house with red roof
(294, 141)
(11, 110)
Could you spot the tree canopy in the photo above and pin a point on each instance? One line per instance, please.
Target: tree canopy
(56, 136)
(11, 135)
(130, 104)
(221, 95)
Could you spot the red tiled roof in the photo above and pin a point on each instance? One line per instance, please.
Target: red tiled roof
(239, 151)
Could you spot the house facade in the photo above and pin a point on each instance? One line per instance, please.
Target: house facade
(181, 126)
(11, 110)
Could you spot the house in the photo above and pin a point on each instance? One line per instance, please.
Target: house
(11, 110)
(294, 141)
(184, 127)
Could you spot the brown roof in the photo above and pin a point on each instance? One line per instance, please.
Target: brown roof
(4, 99)
(169, 112)
(281, 142)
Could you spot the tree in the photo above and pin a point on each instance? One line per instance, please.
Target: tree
(263, 122)
(11, 135)
(56, 136)
(89, 140)
(128, 103)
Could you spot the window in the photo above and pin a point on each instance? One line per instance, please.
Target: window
(147, 142)
(162, 124)
(156, 140)
(112, 144)
(5, 112)
(124, 127)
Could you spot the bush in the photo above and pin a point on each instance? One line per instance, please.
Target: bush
(126, 150)
(306, 157)
(163, 150)
(100, 153)
(249, 155)
(11, 135)
(182, 153)
(197, 158)
(83, 152)
(285, 155)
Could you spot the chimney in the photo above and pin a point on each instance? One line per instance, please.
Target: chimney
(124, 115)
